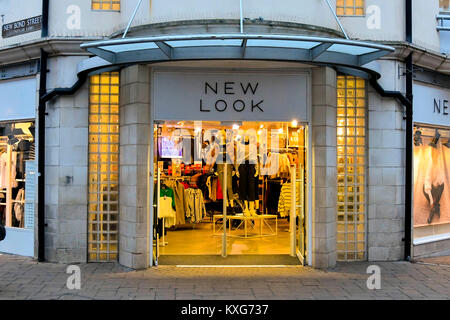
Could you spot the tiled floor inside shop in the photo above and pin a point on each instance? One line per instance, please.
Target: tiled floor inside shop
(198, 239)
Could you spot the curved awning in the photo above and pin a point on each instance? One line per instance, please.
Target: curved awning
(305, 49)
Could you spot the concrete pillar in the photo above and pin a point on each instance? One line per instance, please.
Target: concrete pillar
(324, 182)
(134, 146)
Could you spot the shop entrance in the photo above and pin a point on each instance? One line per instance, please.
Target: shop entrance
(227, 189)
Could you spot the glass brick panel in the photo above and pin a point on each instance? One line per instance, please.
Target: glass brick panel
(106, 5)
(103, 168)
(350, 8)
(351, 168)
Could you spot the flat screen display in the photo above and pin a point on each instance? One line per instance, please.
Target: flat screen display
(170, 147)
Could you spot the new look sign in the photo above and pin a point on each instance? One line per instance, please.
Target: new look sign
(230, 96)
(431, 105)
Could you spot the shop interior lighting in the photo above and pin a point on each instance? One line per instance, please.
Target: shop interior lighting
(435, 139)
(235, 126)
(418, 138)
(294, 123)
(12, 140)
(447, 144)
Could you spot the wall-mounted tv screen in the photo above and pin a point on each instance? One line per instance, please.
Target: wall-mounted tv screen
(170, 147)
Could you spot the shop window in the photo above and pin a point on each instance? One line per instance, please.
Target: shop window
(17, 173)
(351, 168)
(103, 203)
(444, 5)
(350, 7)
(106, 5)
(431, 182)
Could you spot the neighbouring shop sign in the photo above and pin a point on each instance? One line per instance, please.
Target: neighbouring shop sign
(230, 96)
(23, 26)
(431, 105)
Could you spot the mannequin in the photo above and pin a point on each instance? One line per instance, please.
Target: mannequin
(247, 173)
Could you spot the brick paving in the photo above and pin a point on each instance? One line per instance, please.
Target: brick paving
(24, 278)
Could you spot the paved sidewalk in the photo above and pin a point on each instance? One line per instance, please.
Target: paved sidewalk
(440, 260)
(23, 278)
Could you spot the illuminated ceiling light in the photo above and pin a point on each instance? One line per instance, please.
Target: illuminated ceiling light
(259, 132)
(280, 130)
(435, 139)
(235, 126)
(417, 138)
(261, 126)
(294, 123)
(447, 144)
(181, 123)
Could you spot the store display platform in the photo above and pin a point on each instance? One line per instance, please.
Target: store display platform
(245, 221)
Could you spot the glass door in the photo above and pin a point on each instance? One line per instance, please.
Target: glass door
(299, 234)
(298, 183)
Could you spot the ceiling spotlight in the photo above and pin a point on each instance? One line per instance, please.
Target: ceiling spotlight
(235, 126)
(447, 144)
(294, 123)
(435, 139)
(417, 138)
(12, 140)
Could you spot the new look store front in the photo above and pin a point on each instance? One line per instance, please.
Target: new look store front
(227, 147)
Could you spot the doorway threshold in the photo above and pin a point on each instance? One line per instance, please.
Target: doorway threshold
(231, 260)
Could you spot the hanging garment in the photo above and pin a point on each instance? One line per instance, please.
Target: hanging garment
(19, 207)
(3, 170)
(272, 196)
(247, 181)
(180, 207)
(195, 205)
(229, 179)
(167, 206)
(285, 201)
(285, 166)
(211, 183)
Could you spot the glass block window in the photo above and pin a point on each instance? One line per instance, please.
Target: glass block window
(351, 168)
(108, 5)
(103, 206)
(350, 7)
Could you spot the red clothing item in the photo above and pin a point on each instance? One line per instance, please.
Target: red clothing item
(185, 185)
(219, 194)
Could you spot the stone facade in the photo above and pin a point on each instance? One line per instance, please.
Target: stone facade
(386, 176)
(135, 136)
(66, 179)
(66, 160)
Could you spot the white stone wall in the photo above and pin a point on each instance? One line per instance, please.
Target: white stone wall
(386, 172)
(66, 159)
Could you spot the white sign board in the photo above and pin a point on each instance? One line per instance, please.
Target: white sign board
(230, 96)
(431, 104)
(18, 99)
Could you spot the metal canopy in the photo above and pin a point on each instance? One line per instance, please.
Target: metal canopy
(238, 46)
